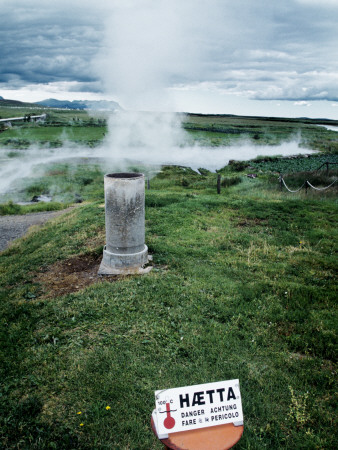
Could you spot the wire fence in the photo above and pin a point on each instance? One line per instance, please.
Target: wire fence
(307, 183)
(327, 163)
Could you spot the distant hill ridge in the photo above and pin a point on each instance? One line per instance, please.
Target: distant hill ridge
(75, 104)
(81, 104)
(6, 102)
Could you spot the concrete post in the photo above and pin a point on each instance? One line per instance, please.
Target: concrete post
(125, 250)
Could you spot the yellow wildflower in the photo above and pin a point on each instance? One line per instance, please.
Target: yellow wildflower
(79, 412)
(107, 408)
(81, 424)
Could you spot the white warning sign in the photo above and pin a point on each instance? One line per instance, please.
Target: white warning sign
(199, 406)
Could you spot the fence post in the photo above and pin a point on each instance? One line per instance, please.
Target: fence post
(306, 186)
(218, 184)
(281, 181)
(327, 167)
(148, 183)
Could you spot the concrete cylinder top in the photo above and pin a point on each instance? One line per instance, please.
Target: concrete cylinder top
(125, 218)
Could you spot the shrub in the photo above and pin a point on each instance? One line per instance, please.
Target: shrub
(238, 166)
(230, 181)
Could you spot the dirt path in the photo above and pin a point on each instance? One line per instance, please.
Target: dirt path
(13, 227)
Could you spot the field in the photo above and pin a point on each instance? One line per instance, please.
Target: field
(79, 126)
(243, 286)
(225, 130)
(60, 126)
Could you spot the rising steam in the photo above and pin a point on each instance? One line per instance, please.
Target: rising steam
(147, 48)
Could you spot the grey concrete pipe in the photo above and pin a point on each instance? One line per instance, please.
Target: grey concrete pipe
(125, 250)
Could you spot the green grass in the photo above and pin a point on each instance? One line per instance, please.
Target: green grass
(228, 130)
(63, 115)
(13, 208)
(60, 126)
(65, 183)
(207, 130)
(294, 164)
(18, 137)
(243, 286)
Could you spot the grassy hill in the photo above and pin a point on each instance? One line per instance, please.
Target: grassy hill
(16, 103)
(243, 286)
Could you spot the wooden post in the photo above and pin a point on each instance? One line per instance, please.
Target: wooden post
(327, 167)
(148, 183)
(281, 182)
(218, 184)
(306, 186)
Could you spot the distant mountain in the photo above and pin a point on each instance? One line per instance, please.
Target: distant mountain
(17, 103)
(81, 104)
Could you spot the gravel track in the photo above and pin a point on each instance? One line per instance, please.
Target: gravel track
(16, 226)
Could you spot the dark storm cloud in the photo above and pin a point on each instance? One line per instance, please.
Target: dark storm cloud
(275, 50)
(43, 43)
(260, 49)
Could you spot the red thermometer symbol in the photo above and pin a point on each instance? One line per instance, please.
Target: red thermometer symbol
(169, 422)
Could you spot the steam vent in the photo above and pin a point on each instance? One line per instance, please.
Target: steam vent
(125, 251)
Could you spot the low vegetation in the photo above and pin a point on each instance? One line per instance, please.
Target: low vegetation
(226, 130)
(60, 125)
(310, 163)
(13, 208)
(210, 130)
(242, 286)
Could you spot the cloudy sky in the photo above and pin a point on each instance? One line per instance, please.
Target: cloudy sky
(262, 57)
